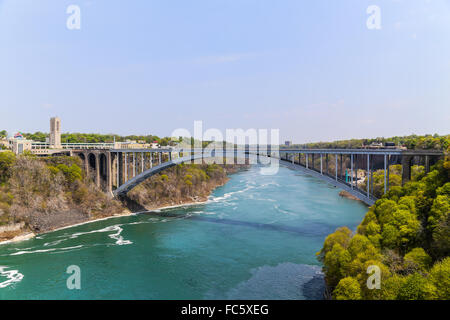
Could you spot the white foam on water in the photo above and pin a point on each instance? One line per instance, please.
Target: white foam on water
(44, 250)
(13, 276)
(116, 236)
(229, 194)
(119, 239)
(53, 243)
(277, 208)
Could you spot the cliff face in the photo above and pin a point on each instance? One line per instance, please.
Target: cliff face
(42, 194)
(185, 183)
(45, 194)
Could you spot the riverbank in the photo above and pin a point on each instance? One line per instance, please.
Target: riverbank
(72, 218)
(23, 236)
(348, 195)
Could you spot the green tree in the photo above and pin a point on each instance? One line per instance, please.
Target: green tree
(417, 260)
(417, 287)
(347, 289)
(7, 160)
(341, 236)
(337, 262)
(440, 278)
(439, 209)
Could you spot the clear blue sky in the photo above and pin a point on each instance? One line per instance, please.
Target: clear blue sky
(310, 68)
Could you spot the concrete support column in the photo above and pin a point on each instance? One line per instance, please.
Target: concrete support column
(388, 162)
(97, 170)
(351, 168)
(336, 165)
(119, 169)
(326, 164)
(406, 169)
(134, 164)
(306, 155)
(356, 170)
(427, 164)
(371, 175)
(160, 157)
(368, 175)
(151, 160)
(142, 162)
(86, 164)
(385, 174)
(342, 164)
(109, 172)
(126, 168)
(321, 163)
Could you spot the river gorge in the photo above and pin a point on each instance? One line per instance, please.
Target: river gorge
(255, 238)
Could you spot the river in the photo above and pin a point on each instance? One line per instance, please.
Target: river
(256, 238)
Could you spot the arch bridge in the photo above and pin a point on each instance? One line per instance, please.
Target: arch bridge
(118, 171)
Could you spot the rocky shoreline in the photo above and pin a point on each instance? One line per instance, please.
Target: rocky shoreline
(348, 195)
(72, 218)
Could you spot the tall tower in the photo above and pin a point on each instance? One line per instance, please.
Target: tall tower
(55, 133)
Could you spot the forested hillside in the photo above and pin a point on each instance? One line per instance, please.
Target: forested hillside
(412, 142)
(406, 234)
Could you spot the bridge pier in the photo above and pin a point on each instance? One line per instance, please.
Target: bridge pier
(97, 170)
(387, 173)
(351, 169)
(356, 171)
(368, 176)
(86, 164)
(321, 163)
(109, 173)
(427, 164)
(336, 165)
(371, 174)
(406, 169)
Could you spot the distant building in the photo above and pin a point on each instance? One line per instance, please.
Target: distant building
(55, 133)
(154, 145)
(288, 143)
(390, 145)
(373, 145)
(20, 145)
(4, 142)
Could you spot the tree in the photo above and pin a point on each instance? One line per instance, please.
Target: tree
(341, 236)
(441, 237)
(336, 263)
(347, 289)
(417, 260)
(7, 160)
(439, 209)
(391, 287)
(440, 278)
(417, 287)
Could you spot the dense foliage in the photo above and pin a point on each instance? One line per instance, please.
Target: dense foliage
(412, 142)
(36, 190)
(98, 138)
(406, 234)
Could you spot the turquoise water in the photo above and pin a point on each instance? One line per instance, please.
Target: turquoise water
(255, 239)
